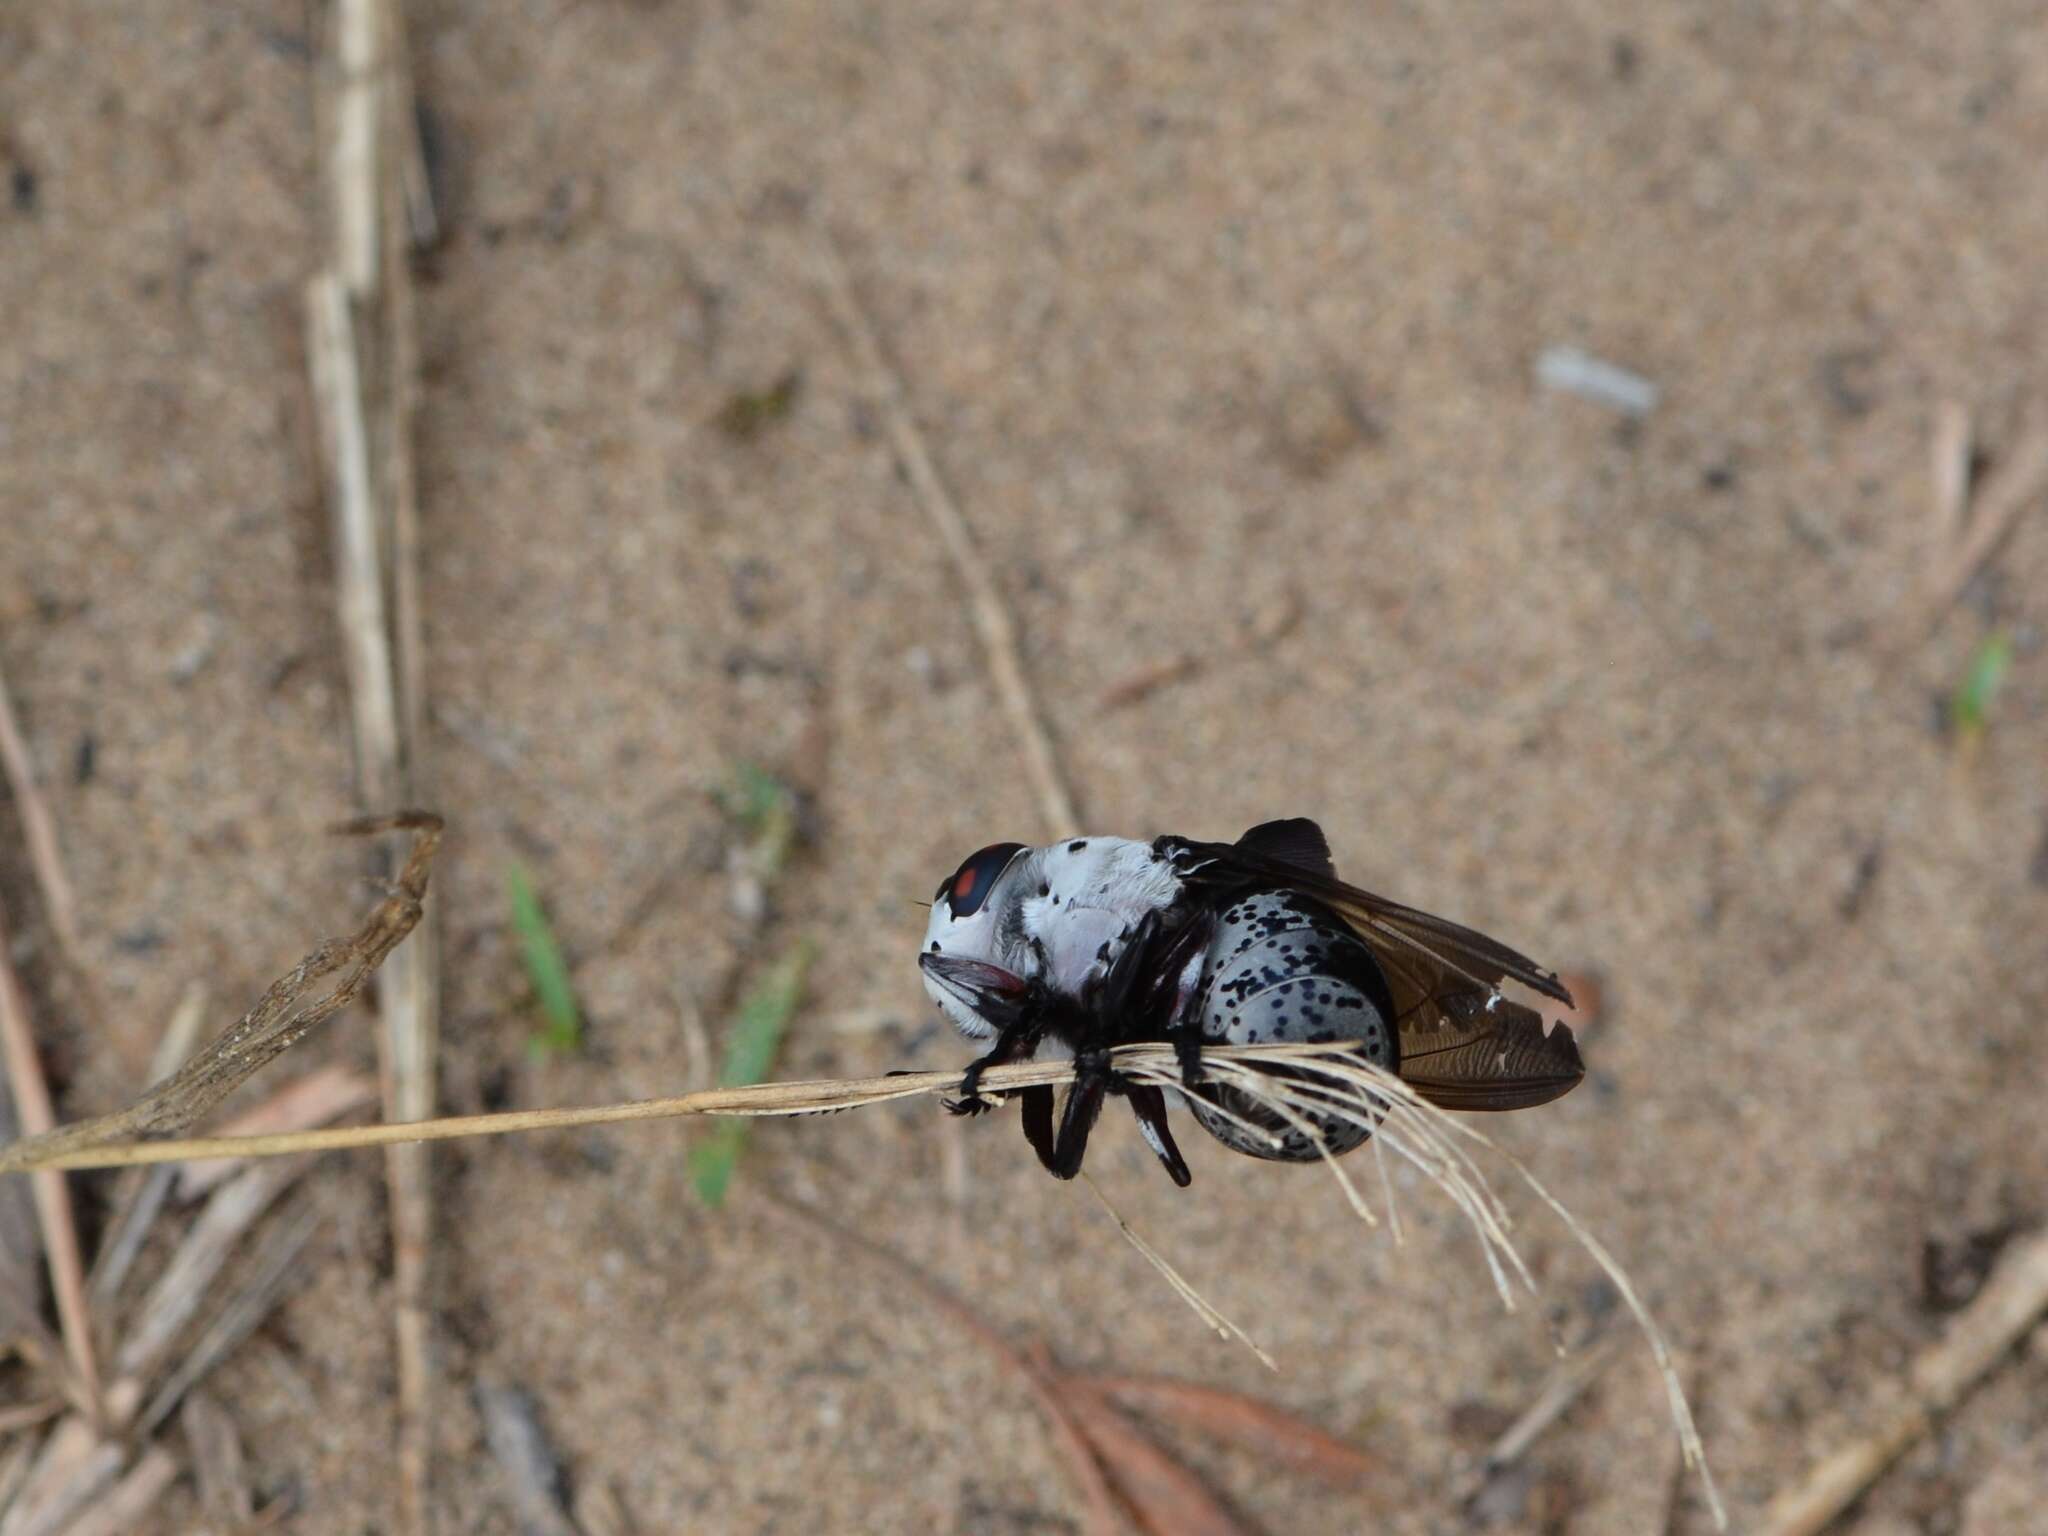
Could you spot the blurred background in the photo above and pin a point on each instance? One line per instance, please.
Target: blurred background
(1588, 456)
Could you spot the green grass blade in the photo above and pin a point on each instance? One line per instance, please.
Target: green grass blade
(562, 1030)
(749, 1054)
(1969, 708)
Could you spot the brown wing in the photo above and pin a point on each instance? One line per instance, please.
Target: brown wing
(1463, 1045)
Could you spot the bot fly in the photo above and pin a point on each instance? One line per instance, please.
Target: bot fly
(1096, 942)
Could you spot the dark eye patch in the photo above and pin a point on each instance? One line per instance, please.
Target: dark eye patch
(971, 882)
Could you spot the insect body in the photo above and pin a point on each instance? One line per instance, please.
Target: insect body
(1097, 942)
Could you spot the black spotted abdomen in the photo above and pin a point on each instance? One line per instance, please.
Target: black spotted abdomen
(1285, 970)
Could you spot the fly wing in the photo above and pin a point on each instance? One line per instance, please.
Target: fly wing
(1463, 1045)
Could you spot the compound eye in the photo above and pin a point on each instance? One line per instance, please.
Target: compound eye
(972, 881)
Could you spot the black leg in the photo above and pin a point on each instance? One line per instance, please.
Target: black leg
(1015, 1043)
(1149, 1105)
(1038, 1121)
(1084, 1103)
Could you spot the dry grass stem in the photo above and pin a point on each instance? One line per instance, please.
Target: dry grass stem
(270, 1271)
(128, 1231)
(74, 1466)
(15, 1467)
(2017, 482)
(991, 614)
(130, 1500)
(352, 146)
(188, 1279)
(40, 829)
(320, 986)
(1199, 1303)
(404, 144)
(19, 1416)
(373, 502)
(2012, 1301)
(1313, 1080)
(325, 1094)
(36, 1115)
(337, 374)
(1567, 1382)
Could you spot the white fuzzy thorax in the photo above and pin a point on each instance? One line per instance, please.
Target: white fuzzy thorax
(1050, 915)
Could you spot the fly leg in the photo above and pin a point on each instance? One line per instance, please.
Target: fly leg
(1092, 1075)
(1017, 1042)
(1176, 988)
(1037, 1116)
(1148, 1103)
(1146, 993)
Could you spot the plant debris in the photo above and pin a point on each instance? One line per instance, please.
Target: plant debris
(292, 1009)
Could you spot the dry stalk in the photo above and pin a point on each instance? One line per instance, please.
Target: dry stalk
(324, 1094)
(37, 1116)
(991, 613)
(270, 1272)
(383, 201)
(130, 1500)
(188, 1279)
(1312, 1080)
(292, 1009)
(2015, 484)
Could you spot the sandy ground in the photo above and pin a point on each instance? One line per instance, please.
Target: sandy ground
(1210, 312)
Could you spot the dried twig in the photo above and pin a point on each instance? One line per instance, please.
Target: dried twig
(1565, 1385)
(2011, 1302)
(991, 614)
(53, 1198)
(292, 1009)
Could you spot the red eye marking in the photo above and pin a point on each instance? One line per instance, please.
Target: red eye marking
(972, 881)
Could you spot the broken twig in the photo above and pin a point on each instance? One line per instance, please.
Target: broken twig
(2011, 1302)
